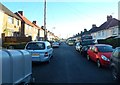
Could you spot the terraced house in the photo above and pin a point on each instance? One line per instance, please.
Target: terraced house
(27, 27)
(40, 35)
(10, 23)
(1, 17)
(110, 28)
(17, 25)
(50, 36)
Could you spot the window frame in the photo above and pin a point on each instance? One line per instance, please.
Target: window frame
(10, 19)
(36, 43)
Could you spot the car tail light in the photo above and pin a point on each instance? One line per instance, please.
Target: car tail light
(46, 54)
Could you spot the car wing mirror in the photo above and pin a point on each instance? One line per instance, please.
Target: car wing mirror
(96, 51)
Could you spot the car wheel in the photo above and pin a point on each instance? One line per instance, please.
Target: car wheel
(11, 47)
(88, 57)
(98, 63)
(114, 73)
(75, 48)
(80, 52)
(48, 61)
(51, 56)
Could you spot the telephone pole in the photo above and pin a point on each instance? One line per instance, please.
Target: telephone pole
(45, 30)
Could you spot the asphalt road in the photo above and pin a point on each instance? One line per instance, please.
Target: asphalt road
(68, 66)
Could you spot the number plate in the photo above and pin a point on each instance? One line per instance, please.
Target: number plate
(36, 54)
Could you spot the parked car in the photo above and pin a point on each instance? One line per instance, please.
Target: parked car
(55, 44)
(41, 51)
(77, 46)
(86, 42)
(71, 42)
(115, 63)
(84, 50)
(100, 53)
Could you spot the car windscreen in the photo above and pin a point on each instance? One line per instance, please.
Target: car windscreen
(105, 48)
(36, 46)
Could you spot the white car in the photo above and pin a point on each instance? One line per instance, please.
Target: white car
(78, 46)
(41, 51)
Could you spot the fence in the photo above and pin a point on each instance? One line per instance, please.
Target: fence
(17, 42)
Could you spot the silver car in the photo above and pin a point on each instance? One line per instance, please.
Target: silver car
(55, 44)
(41, 51)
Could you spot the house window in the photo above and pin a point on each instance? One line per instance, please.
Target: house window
(10, 19)
(31, 28)
(17, 22)
(114, 31)
(99, 33)
(102, 33)
(95, 35)
(27, 26)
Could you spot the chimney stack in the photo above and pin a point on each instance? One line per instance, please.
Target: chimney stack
(109, 17)
(94, 26)
(21, 12)
(34, 22)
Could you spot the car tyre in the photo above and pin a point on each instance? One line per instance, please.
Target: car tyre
(98, 63)
(11, 47)
(114, 73)
(88, 57)
(48, 61)
(80, 52)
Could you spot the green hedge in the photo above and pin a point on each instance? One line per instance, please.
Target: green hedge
(115, 42)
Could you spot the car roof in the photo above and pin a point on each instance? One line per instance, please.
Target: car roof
(102, 45)
(38, 41)
(118, 48)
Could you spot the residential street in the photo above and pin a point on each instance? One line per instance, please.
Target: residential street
(68, 66)
(45, 41)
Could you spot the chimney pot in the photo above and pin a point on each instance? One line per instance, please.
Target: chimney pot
(34, 22)
(109, 17)
(21, 12)
(94, 25)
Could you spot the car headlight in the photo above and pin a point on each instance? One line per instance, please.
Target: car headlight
(104, 58)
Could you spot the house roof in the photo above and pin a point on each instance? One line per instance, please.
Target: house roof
(110, 23)
(25, 19)
(8, 12)
(94, 29)
(37, 26)
(34, 22)
(106, 25)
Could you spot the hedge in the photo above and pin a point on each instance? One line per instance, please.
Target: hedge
(115, 42)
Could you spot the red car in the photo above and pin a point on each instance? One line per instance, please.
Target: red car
(100, 53)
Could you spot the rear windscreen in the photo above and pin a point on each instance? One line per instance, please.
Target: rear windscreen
(35, 46)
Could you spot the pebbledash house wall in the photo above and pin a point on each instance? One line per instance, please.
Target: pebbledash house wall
(103, 34)
(1, 22)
